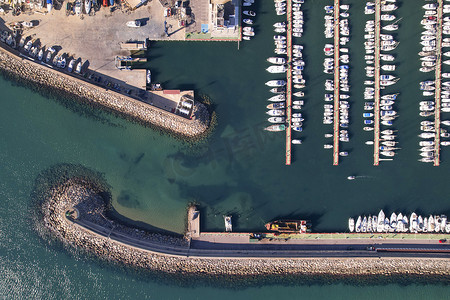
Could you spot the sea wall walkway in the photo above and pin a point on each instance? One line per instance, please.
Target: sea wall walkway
(91, 231)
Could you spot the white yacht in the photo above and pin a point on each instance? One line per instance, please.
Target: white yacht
(276, 69)
(277, 60)
(276, 83)
(358, 224)
(380, 225)
(413, 223)
(351, 224)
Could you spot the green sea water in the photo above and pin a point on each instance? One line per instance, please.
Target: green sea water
(239, 171)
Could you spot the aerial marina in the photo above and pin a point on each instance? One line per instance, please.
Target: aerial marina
(308, 79)
(285, 107)
(380, 97)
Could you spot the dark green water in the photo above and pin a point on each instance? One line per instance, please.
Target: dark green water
(240, 170)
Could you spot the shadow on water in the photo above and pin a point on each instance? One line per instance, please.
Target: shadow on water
(72, 102)
(62, 172)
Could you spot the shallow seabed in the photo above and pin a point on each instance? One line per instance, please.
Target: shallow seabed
(240, 171)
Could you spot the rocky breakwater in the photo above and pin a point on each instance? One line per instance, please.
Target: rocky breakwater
(130, 249)
(41, 76)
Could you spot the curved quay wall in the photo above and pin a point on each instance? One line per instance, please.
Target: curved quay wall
(93, 232)
(42, 76)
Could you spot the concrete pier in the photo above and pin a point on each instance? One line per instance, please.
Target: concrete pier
(336, 111)
(437, 94)
(376, 131)
(289, 84)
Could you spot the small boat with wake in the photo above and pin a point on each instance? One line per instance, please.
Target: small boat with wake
(275, 128)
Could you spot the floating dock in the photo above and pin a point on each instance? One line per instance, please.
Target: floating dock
(289, 84)
(376, 131)
(336, 86)
(437, 94)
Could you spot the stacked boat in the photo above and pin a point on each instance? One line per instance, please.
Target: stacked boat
(343, 71)
(247, 30)
(280, 7)
(33, 49)
(387, 43)
(400, 223)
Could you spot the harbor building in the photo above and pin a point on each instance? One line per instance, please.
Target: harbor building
(175, 101)
(224, 17)
(214, 20)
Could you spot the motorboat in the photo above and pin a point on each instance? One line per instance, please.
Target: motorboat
(351, 224)
(386, 17)
(41, 54)
(278, 90)
(276, 69)
(279, 37)
(248, 21)
(87, 6)
(393, 222)
(388, 7)
(79, 67)
(388, 67)
(276, 119)
(280, 25)
(135, 23)
(430, 6)
(296, 142)
(276, 83)
(413, 226)
(277, 60)
(61, 62)
(275, 105)
(276, 112)
(391, 27)
(50, 53)
(427, 135)
(387, 153)
(387, 57)
(276, 127)
(249, 13)
(380, 218)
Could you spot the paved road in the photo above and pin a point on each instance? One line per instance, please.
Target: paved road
(250, 250)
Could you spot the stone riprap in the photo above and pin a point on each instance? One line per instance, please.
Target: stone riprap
(42, 76)
(82, 195)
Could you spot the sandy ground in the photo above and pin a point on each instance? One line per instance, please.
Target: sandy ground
(96, 38)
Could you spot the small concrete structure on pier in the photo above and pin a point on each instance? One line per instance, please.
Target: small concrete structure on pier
(193, 230)
(174, 101)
